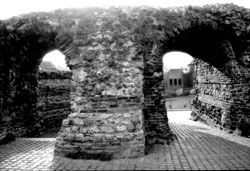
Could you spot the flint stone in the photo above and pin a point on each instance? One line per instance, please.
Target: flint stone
(78, 121)
(79, 136)
(83, 130)
(119, 135)
(121, 128)
(82, 115)
(72, 115)
(107, 129)
(105, 116)
(65, 122)
(67, 129)
(109, 136)
(127, 115)
(94, 129)
(74, 129)
(126, 122)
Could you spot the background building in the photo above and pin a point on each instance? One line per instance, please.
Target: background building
(178, 82)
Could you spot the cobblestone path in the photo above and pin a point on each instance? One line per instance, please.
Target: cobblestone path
(199, 147)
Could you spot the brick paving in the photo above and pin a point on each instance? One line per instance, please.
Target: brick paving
(199, 147)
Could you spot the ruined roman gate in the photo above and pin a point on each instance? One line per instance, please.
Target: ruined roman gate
(115, 54)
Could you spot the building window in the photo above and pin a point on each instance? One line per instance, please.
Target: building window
(179, 81)
(175, 82)
(171, 82)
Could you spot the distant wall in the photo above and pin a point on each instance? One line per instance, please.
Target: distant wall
(214, 94)
(220, 97)
(176, 79)
(179, 103)
(53, 106)
(54, 97)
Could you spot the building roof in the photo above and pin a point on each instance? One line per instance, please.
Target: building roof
(175, 70)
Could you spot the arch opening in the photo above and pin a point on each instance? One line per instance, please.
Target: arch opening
(54, 84)
(178, 73)
(213, 79)
(54, 60)
(201, 42)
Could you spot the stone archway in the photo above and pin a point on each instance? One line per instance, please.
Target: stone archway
(115, 55)
(218, 52)
(205, 46)
(54, 84)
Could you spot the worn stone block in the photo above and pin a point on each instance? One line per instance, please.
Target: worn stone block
(121, 128)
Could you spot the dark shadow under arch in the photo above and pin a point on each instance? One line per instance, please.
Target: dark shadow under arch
(200, 42)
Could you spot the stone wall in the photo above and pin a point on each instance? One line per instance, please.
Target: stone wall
(53, 106)
(154, 109)
(54, 97)
(221, 99)
(214, 94)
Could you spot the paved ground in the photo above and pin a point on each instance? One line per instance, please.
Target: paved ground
(199, 147)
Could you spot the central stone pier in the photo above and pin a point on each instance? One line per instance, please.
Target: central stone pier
(107, 125)
(106, 135)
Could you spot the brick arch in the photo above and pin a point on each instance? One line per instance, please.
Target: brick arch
(38, 121)
(218, 71)
(54, 85)
(199, 43)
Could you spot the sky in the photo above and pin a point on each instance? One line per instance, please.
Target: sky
(10, 8)
(174, 60)
(57, 58)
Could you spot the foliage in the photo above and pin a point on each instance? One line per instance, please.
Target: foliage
(161, 25)
(47, 65)
(179, 92)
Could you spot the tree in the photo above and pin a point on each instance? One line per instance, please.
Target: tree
(47, 65)
(179, 92)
